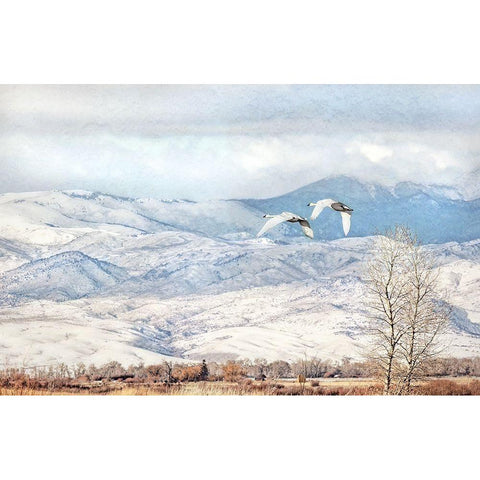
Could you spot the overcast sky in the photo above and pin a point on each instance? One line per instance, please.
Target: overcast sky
(233, 141)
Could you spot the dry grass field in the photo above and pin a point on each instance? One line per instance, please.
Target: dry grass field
(335, 386)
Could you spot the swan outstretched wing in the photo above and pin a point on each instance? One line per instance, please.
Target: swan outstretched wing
(321, 204)
(306, 228)
(346, 221)
(274, 221)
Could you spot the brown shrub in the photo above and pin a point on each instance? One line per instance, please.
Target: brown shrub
(449, 387)
(133, 380)
(191, 373)
(156, 371)
(233, 372)
(295, 390)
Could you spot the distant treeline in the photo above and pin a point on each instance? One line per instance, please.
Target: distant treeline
(260, 369)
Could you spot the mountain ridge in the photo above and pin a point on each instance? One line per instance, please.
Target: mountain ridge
(92, 277)
(433, 216)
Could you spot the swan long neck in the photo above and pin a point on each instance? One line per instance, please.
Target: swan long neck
(311, 204)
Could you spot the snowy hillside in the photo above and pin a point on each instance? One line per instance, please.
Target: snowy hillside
(93, 277)
(61, 277)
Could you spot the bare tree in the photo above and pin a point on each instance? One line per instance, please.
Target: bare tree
(260, 368)
(388, 286)
(317, 368)
(426, 315)
(280, 369)
(168, 371)
(301, 366)
(406, 313)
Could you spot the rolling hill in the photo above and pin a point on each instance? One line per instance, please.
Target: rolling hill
(93, 277)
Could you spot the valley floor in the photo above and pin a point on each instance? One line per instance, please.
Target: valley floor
(322, 387)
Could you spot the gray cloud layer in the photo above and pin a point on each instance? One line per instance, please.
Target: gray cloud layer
(233, 141)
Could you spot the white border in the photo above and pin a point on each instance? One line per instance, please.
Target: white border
(245, 42)
(238, 437)
(214, 41)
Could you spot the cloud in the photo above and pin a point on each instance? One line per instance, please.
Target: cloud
(149, 110)
(233, 141)
(373, 152)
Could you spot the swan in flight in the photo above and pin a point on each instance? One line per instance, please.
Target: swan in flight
(286, 217)
(345, 211)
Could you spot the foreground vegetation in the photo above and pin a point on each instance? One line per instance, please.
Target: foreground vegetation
(452, 386)
(305, 377)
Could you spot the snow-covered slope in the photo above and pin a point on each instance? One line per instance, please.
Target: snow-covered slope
(93, 277)
(469, 185)
(64, 276)
(53, 218)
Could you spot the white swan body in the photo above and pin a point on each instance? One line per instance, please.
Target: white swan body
(345, 211)
(286, 217)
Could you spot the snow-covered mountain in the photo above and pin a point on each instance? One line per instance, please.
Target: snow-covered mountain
(469, 185)
(438, 214)
(93, 277)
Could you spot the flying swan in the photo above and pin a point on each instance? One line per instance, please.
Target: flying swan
(286, 217)
(345, 211)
